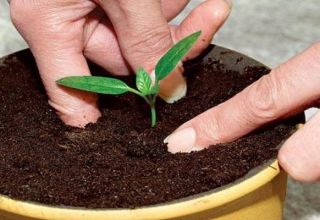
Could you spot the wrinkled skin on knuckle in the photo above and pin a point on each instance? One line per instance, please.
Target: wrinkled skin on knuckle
(30, 21)
(22, 14)
(210, 128)
(172, 8)
(262, 99)
(151, 45)
(57, 24)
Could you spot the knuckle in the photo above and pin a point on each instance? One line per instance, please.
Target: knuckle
(23, 13)
(24, 17)
(21, 6)
(262, 99)
(211, 128)
(17, 12)
(153, 42)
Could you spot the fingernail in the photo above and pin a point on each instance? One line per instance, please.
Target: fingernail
(153, 77)
(174, 87)
(181, 141)
(174, 95)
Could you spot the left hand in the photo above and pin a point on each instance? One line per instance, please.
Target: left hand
(118, 35)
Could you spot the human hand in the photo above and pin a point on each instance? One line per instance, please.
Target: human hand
(118, 35)
(288, 89)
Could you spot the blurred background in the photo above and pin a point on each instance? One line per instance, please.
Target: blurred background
(269, 31)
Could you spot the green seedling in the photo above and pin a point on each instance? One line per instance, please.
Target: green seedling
(146, 88)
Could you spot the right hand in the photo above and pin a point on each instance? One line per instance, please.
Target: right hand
(288, 89)
(118, 35)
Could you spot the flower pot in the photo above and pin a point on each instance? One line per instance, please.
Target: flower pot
(258, 195)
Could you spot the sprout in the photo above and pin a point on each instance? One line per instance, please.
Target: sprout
(146, 89)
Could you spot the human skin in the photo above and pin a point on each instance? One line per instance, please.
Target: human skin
(119, 35)
(122, 35)
(288, 89)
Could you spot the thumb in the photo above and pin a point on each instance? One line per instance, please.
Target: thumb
(300, 154)
(288, 89)
(208, 17)
(144, 36)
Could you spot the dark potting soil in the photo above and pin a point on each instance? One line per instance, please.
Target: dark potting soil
(120, 161)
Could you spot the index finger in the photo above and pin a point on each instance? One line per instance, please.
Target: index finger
(286, 90)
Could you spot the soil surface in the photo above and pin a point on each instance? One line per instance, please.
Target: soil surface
(120, 162)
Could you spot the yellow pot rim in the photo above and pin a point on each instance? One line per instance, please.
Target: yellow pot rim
(173, 209)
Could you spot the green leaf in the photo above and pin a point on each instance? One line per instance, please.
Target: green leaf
(96, 84)
(143, 81)
(170, 60)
